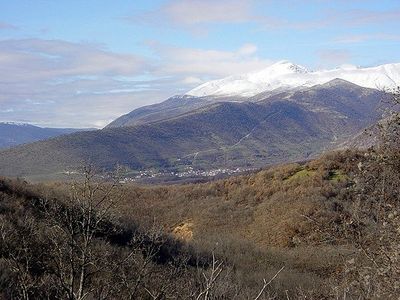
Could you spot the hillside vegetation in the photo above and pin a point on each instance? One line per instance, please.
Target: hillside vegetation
(289, 126)
(298, 217)
(323, 229)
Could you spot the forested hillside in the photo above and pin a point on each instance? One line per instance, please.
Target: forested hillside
(302, 226)
(285, 127)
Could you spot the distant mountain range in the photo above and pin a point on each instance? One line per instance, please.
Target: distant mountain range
(208, 132)
(286, 75)
(13, 134)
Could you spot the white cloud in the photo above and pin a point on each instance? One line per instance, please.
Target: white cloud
(348, 18)
(54, 59)
(334, 57)
(7, 26)
(248, 49)
(40, 81)
(198, 12)
(363, 16)
(7, 110)
(58, 83)
(191, 80)
(198, 16)
(206, 64)
(359, 38)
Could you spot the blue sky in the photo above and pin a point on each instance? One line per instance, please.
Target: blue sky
(83, 63)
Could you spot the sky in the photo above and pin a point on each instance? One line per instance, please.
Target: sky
(74, 63)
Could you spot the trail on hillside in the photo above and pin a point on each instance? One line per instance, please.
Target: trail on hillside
(225, 149)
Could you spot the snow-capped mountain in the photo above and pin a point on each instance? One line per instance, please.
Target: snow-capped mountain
(14, 123)
(285, 74)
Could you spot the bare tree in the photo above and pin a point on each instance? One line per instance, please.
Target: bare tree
(374, 223)
(211, 279)
(267, 284)
(15, 251)
(74, 225)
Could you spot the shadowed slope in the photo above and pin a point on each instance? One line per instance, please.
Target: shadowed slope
(288, 126)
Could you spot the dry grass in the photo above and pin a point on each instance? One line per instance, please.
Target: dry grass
(257, 223)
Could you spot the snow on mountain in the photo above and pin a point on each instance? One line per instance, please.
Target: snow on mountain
(285, 74)
(15, 123)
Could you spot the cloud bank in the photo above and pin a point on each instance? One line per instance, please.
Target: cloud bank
(59, 83)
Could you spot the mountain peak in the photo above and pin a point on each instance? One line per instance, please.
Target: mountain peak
(283, 62)
(287, 75)
(338, 82)
(290, 66)
(285, 66)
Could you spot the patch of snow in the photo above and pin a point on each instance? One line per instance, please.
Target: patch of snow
(286, 75)
(15, 123)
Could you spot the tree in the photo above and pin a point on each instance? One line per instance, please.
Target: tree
(374, 225)
(74, 226)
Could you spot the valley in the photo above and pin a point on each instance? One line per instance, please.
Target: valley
(249, 187)
(289, 126)
(200, 150)
(296, 218)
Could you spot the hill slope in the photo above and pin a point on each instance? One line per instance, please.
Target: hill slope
(178, 105)
(12, 134)
(172, 107)
(255, 224)
(288, 126)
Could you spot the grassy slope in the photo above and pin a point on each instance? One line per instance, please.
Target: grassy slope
(268, 207)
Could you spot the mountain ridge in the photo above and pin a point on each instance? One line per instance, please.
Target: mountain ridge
(13, 134)
(182, 104)
(285, 127)
(285, 74)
